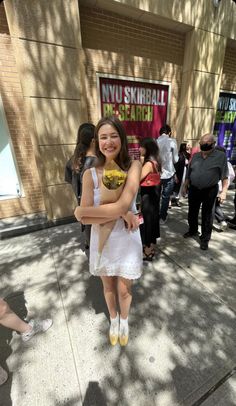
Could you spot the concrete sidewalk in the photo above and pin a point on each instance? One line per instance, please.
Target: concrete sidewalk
(182, 323)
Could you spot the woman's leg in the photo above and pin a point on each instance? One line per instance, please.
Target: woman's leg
(147, 218)
(156, 211)
(124, 295)
(109, 290)
(182, 183)
(125, 298)
(150, 227)
(147, 210)
(10, 320)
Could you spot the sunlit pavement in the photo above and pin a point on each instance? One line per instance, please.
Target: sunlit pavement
(182, 323)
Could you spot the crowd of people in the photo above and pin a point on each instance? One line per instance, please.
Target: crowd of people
(162, 177)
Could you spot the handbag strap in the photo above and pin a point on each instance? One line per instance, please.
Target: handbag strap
(154, 166)
(95, 177)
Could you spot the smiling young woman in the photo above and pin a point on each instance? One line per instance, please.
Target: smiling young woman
(118, 266)
(109, 142)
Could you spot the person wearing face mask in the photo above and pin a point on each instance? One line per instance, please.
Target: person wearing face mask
(206, 169)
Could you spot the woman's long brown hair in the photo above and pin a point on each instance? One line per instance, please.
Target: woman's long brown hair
(152, 151)
(84, 139)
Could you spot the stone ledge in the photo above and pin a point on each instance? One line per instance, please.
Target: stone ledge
(14, 226)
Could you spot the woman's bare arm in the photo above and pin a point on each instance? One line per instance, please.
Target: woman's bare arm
(87, 200)
(95, 220)
(121, 207)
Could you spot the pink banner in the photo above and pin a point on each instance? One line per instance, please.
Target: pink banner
(141, 107)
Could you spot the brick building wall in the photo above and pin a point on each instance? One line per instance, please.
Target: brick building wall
(13, 102)
(228, 81)
(120, 45)
(52, 67)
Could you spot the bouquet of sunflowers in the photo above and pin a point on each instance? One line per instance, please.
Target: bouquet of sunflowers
(113, 181)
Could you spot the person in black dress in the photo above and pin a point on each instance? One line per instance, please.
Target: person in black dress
(150, 197)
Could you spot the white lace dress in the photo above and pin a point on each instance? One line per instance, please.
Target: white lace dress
(122, 253)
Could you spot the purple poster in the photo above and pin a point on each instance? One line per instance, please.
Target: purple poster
(225, 124)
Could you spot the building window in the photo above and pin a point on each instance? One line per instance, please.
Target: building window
(10, 185)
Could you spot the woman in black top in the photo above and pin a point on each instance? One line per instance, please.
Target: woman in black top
(83, 158)
(150, 197)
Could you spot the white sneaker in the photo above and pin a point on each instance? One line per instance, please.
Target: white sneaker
(163, 221)
(38, 326)
(223, 225)
(3, 376)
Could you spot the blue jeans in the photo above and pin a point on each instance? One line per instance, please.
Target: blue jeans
(167, 190)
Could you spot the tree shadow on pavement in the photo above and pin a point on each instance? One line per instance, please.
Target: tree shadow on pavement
(214, 268)
(181, 336)
(96, 300)
(179, 333)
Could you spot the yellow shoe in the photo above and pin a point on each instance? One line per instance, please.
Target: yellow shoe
(123, 340)
(114, 330)
(124, 332)
(113, 339)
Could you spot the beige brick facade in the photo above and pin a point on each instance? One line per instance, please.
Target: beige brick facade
(13, 103)
(46, 41)
(51, 53)
(121, 46)
(229, 70)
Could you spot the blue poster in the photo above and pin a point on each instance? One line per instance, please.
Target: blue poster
(225, 124)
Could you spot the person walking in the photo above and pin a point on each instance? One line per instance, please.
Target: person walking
(169, 156)
(10, 320)
(118, 266)
(150, 196)
(206, 168)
